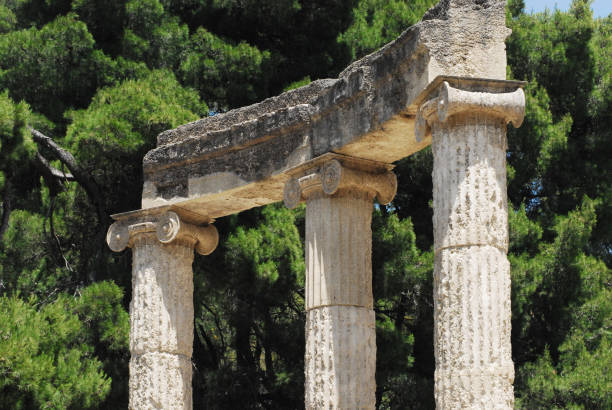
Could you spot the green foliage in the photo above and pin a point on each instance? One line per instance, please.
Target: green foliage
(297, 84)
(250, 323)
(299, 35)
(562, 43)
(46, 356)
(7, 19)
(152, 36)
(103, 78)
(122, 122)
(376, 22)
(99, 309)
(17, 151)
(581, 378)
(402, 287)
(15, 144)
(525, 235)
(51, 66)
(567, 126)
(561, 314)
(131, 114)
(28, 266)
(515, 8)
(264, 251)
(415, 172)
(109, 139)
(549, 285)
(105, 20)
(228, 75)
(37, 13)
(560, 239)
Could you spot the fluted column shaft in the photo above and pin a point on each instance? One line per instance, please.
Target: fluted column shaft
(472, 313)
(471, 272)
(161, 310)
(161, 324)
(340, 357)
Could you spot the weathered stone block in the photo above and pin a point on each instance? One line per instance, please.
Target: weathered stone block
(237, 160)
(160, 380)
(470, 199)
(338, 249)
(161, 310)
(472, 313)
(340, 359)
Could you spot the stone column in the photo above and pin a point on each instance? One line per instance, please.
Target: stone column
(474, 368)
(340, 357)
(161, 310)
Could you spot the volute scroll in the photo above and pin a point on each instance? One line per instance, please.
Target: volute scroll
(333, 176)
(118, 237)
(447, 101)
(167, 227)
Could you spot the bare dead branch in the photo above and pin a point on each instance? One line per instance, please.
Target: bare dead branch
(51, 171)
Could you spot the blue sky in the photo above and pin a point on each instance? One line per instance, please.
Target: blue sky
(601, 8)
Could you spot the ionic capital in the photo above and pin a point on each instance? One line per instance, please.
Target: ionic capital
(332, 175)
(167, 226)
(445, 101)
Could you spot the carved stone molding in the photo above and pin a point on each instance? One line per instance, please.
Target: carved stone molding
(334, 172)
(490, 98)
(167, 226)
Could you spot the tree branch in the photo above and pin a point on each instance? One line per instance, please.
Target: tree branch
(78, 174)
(54, 236)
(51, 171)
(218, 325)
(7, 207)
(211, 347)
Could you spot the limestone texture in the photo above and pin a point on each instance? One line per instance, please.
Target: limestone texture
(331, 144)
(161, 309)
(161, 324)
(472, 314)
(165, 382)
(339, 249)
(340, 357)
(237, 160)
(332, 175)
(474, 368)
(470, 198)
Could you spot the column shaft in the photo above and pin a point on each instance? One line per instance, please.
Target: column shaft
(340, 359)
(161, 323)
(472, 313)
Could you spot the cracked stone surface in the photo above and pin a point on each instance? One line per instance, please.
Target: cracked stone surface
(340, 357)
(163, 382)
(470, 198)
(474, 368)
(161, 324)
(235, 161)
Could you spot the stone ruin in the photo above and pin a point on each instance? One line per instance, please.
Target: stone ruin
(332, 145)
